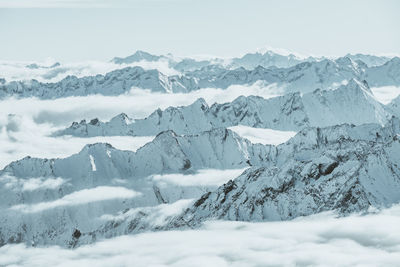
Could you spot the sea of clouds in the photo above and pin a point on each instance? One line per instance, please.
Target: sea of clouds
(26, 125)
(320, 240)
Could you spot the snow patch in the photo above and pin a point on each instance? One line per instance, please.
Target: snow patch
(92, 163)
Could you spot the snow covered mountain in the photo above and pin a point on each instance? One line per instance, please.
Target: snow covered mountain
(370, 60)
(268, 59)
(344, 157)
(248, 61)
(304, 77)
(345, 168)
(352, 103)
(137, 57)
(62, 194)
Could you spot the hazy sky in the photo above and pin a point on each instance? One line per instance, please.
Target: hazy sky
(100, 29)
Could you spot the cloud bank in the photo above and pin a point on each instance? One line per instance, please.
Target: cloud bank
(320, 240)
(26, 124)
(263, 136)
(21, 136)
(205, 177)
(80, 197)
(386, 94)
(49, 70)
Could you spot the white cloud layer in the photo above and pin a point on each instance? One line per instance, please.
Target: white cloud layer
(204, 177)
(386, 94)
(28, 131)
(263, 136)
(31, 184)
(21, 136)
(321, 240)
(18, 70)
(80, 197)
(138, 103)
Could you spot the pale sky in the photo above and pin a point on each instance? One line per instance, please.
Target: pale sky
(72, 30)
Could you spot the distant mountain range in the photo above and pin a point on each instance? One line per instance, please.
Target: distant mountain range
(304, 77)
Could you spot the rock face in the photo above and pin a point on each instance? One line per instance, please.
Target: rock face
(304, 77)
(343, 168)
(352, 103)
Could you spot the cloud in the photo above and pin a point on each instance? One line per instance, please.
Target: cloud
(263, 136)
(137, 104)
(31, 184)
(28, 130)
(80, 197)
(386, 94)
(18, 71)
(26, 138)
(320, 240)
(205, 177)
(156, 216)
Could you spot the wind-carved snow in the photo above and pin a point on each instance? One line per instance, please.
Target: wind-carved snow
(84, 196)
(263, 136)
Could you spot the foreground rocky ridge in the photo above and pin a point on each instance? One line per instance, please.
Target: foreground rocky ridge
(352, 103)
